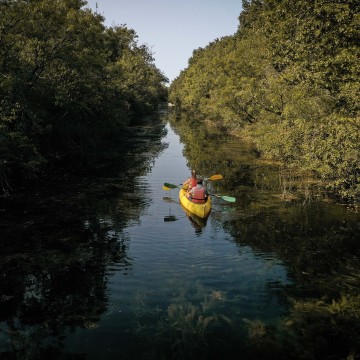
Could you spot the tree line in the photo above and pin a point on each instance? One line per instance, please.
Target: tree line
(67, 83)
(289, 79)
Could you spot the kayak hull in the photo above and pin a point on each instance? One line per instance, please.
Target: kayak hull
(201, 210)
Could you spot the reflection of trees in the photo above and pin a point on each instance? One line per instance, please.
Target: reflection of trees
(320, 248)
(58, 284)
(311, 239)
(57, 248)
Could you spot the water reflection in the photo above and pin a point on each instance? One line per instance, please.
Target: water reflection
(59, 245)
(106, 266)
(60, 283)
(196, 222)
(168, 218)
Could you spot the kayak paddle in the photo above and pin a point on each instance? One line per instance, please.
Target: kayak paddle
(215, 177)
(172, 186)
(168, 186)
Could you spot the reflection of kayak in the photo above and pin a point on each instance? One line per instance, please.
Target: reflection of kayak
(201, 210)
(196, 221)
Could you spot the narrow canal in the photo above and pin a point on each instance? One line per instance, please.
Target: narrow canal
(112, 267)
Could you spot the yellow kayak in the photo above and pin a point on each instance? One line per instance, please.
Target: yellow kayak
(201, 210)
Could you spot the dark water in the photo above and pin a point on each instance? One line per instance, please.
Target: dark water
(110, 266)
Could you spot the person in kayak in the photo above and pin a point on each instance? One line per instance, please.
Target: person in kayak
(191, 181)
(198, 194)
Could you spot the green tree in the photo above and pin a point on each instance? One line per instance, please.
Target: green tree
(67, 82)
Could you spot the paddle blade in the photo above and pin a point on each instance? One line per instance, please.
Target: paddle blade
(216, 177)
(228, 198)
(225, 197)
(170, 186)
(165, 188)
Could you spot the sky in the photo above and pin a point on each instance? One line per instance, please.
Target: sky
(172, 29)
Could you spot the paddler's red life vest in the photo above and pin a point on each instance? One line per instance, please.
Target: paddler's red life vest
(198, 196)
(192, 182)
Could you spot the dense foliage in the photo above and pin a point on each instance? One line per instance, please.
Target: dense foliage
(67, 83)
(290, 80)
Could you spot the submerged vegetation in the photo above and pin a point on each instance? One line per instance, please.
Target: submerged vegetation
(289, 80)
(67, 85)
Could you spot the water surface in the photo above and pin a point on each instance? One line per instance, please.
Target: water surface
(110, 266)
